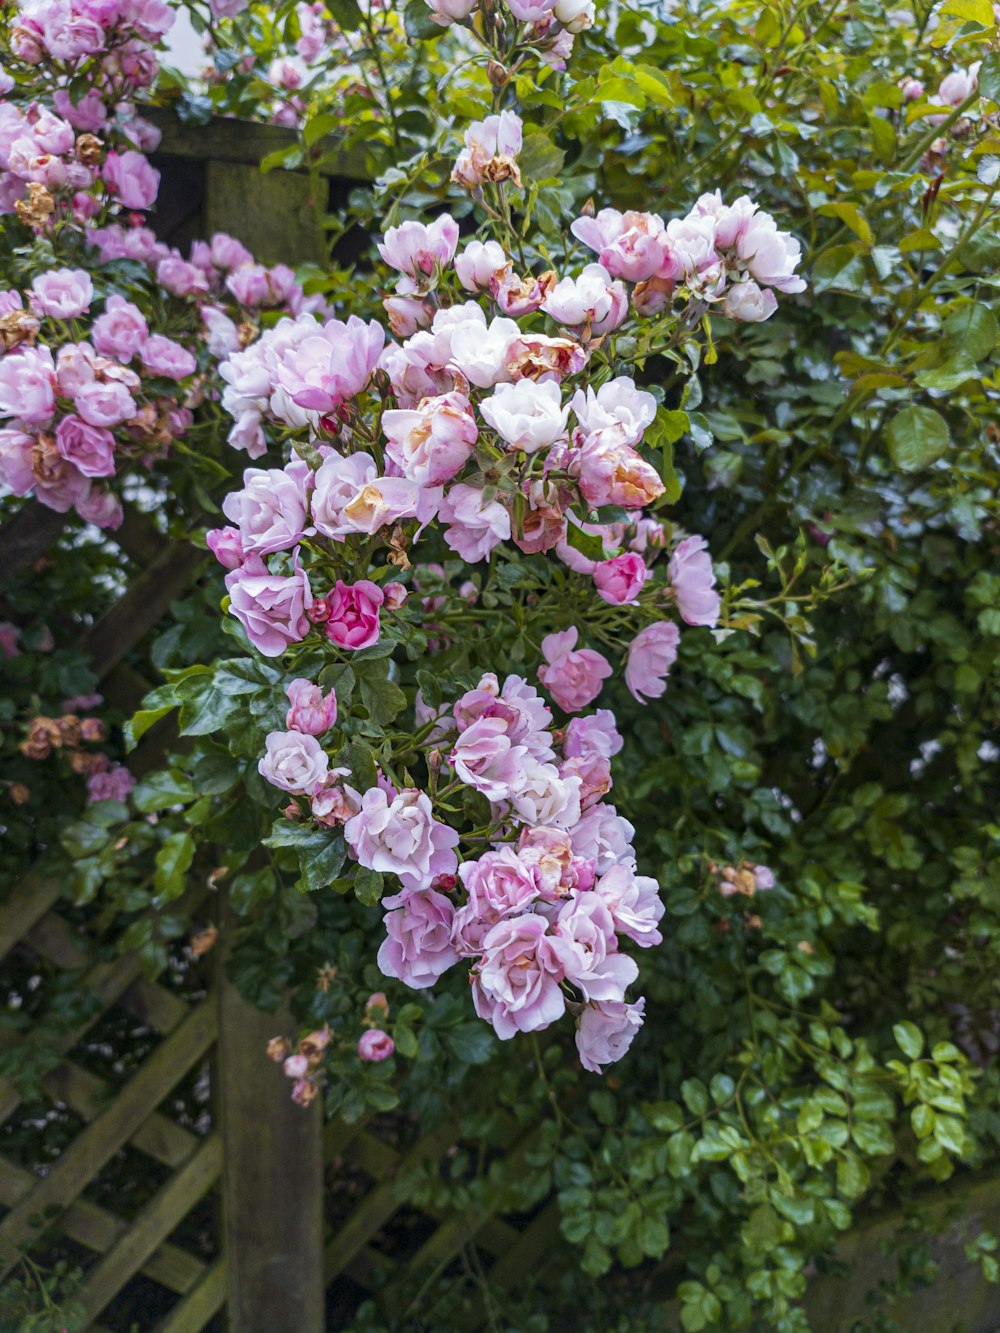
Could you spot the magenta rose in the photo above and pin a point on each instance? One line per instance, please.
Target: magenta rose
(130, 177)
(620, 580)
(651, 654)
(121, 330)
(354, 609)
(311, 711)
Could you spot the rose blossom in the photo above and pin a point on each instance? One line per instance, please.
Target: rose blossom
(294, 762)
(402, 837)
(748, 303)
(545, 796)
(226, 545)
(484, 759)
(491, 147)
(620, 580)
(594, 772)
(130, 176)
(596, 734)
(618, 413)
(605, 1031)
(331, 364)
(526, 415)
(693, 581)
(163, 356)
(270, 607)
(110, 784)
(354, 614)
(121, 331)
(572, 676)
(615, 474)
(630, 245)
(105, 404)
(311, 711)
(585, 943)
(474, 527)
(604, 837)
(375, 1045)
(271, 509)
(498, 884)
(418, 947)
(416, 249)
(516, 985)
(592, 302)
(447, 12)
(431, 443)
(62, 293)
(407, 314)
(91, 449)
(634, 903)
(651, 654)
(477, 264)
(27, 385)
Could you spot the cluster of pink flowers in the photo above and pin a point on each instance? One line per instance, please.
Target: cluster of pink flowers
(486, 419)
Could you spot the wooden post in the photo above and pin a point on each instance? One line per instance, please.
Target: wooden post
(272, 1173)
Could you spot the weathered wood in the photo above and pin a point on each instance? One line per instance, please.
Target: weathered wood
(30, 899)
(92, 1226)
(193, 1313)
(89, 1152)
(275, 215)
(27, 535)
(273, 1173)
(151, 1227)
(138, 611)
(247, 142)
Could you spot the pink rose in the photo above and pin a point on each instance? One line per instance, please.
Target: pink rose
(105, 403)
(226, 545)
(271, 510)
(516, 985)
(401, 837)
(431, 443)
(331, 365)
(354, 614)
(574, 677)
(162, 356)
(596, 734)
(62, 293)
(227, 252)
(101, 508)
(474, 526)
(270, 607)
(491, 147)
(129, 176)
(605, 1032)
(631, 245)
(693, 581)
(311, 711)
(484, 759)
(417, 249)
(91, 449)
(634, 903)
(621, 580)
(651, 654)
(603, 837)
(594, 772)
(375, 1045)
(180, 278)
(27, 385)
(591, 303)
(111, 784)
(477, 264)
(121, 330)
(418, 946)
(584, 941)
(407, 314)
(498, 884)
(615, 474)
(294, 762)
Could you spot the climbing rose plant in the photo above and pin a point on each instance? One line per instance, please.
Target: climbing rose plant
(490, 421)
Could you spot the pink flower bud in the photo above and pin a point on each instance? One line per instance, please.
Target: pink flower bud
(395, 596)
(375, 1045)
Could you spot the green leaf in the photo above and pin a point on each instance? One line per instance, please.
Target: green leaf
(988, 81)
(173, 860)
(138, 725)
(971, 330)
(917, 437)
(419, 25)
(539, 158)
(842, 268)
(587, 543)
(321, 852)
(319, 126)
(382, 697)
(472, 1042)
(974, 11)
(161, 790)
(367, 886)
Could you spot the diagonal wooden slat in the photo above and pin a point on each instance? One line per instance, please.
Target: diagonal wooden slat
(154, 1223)
(135, 614)
(29, 901)
(193, 1313)
(112, 1128)
(90, 1225)
(523, 1256)
(379, 1205)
